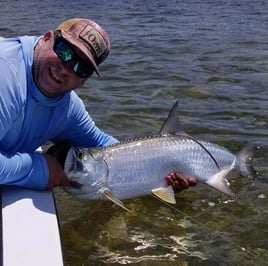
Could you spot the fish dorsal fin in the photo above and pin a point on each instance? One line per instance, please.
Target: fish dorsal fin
(172, 123)
(165, 193)
(107, 194)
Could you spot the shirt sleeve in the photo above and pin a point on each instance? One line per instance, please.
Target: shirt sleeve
(20, 169)
(27, 170)
(10, 101)
(82, 130)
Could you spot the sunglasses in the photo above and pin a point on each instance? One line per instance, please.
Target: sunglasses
(66, 53)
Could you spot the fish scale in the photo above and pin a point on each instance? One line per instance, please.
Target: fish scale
(139, 163)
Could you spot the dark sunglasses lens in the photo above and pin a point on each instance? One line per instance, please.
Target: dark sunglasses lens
(64, 51)
(83, 69)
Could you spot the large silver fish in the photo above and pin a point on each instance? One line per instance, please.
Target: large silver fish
(136, 168)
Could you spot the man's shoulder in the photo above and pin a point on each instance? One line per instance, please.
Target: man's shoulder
(10, 54)
(8, 45)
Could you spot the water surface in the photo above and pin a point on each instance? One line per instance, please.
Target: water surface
(211, 56)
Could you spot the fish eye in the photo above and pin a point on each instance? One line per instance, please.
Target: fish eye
(80, 154)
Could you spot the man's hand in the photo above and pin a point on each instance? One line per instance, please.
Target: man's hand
(59, 151)
(179, 182)
(57, 177)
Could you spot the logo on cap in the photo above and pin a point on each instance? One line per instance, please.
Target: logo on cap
(94, 39)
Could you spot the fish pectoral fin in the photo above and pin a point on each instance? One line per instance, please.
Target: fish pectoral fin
(107, 194)
(219, 182)
(165, 193)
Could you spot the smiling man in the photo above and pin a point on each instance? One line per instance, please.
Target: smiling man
(38, 102)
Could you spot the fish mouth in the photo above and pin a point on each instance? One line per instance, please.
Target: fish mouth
(75, 185)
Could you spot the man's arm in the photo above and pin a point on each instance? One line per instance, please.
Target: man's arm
(24, 169)
(80, 129)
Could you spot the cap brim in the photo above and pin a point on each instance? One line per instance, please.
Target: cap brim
(87, 53)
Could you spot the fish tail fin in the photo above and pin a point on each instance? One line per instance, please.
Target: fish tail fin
(244, 161)
(220, 183)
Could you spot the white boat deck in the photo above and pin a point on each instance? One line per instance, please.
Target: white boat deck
(30, 231)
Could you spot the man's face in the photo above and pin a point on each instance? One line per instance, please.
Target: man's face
(51, 74)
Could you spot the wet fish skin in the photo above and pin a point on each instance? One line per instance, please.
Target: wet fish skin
(136, 168)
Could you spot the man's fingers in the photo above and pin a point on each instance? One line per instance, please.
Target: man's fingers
(182, 180)
(179, 182)
(170, 180)
(192, 181)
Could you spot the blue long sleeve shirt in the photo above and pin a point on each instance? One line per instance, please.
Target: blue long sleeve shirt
(28, 119)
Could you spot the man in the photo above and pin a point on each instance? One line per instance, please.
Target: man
(37, 102)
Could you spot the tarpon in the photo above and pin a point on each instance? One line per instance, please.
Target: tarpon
(138, 167)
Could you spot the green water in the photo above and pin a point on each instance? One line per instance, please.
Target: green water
(203, 228)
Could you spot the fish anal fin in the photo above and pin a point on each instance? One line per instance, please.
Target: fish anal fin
(107, 194)
(165, 193)
(219, 182)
